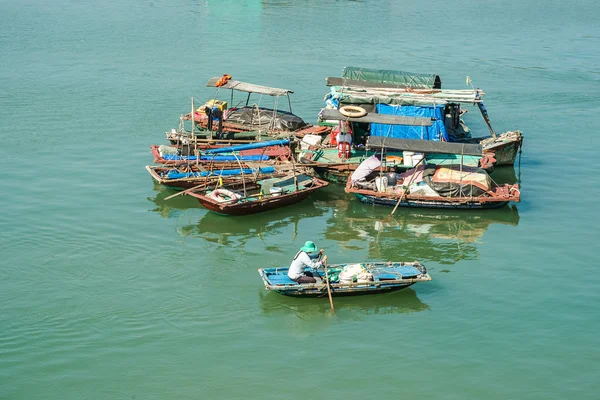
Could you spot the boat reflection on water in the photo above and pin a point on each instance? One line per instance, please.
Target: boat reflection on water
(171, 208)
(354, 307)
(444, 237)
(505, 174)
(415, 234)
(225, 230)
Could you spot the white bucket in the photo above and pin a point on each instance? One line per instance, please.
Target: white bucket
(381, 183)
(417, 158)
(408, 158)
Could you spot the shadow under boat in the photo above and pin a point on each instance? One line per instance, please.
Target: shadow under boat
(224, 230)
(400, 302)
(506, 175)
(170, 208)
(422, 234)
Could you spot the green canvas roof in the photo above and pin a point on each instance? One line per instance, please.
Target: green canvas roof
(391, 77)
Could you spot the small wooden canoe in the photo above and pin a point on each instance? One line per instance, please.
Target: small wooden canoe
(383, 277)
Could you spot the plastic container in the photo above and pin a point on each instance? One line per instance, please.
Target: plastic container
(381, 183)
(417, 158)
(408, 158)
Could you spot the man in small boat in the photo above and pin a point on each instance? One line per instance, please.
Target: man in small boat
(306, 257)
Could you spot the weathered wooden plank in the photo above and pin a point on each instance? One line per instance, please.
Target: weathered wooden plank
(331, 114)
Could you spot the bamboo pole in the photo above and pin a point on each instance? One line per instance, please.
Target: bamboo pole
(405, 190)
(294, 169)
(461, 174)
(242, 172)
(193, 118)
(186, 191)
(327, 282)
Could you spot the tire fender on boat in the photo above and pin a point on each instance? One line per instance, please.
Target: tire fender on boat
(352, 111)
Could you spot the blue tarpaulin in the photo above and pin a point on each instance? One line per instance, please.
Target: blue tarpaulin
(173, 157)
(174, 174)
(433, 132)
(255, 145)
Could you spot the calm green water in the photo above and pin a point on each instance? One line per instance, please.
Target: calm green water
(109, 291)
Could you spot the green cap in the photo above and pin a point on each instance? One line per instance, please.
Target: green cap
(309, 247)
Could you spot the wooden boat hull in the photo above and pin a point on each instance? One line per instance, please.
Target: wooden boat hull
(283, 285)
(505, 148)
(335, 173)
(343, 292)
(203, 140)
(266, 203)
(391, 202)
(254, 207)
(183, 183)
(506, 153)
(275, 153)
(191, 182)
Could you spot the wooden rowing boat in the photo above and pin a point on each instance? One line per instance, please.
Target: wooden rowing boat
(378, 277)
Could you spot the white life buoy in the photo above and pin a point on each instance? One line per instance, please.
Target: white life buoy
(352, 111)
(223, 195)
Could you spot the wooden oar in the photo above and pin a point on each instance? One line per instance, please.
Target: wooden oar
(405, 190)
(185, 191)
(327, 279)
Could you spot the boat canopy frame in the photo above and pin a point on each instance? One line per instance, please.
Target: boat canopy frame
(251, 88)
